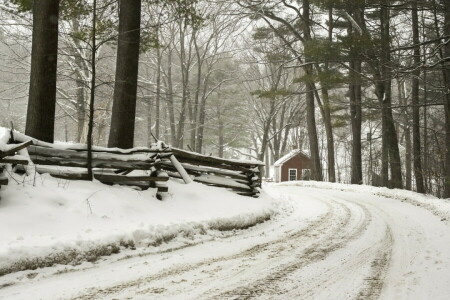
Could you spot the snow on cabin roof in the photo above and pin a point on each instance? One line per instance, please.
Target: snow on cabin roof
(288, 156)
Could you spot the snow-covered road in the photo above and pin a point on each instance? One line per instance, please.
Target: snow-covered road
(326, 244)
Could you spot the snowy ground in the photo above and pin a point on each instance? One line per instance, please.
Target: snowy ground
(44, 220)
(326, 242)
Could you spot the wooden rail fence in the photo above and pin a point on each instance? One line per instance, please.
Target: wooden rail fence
(116, 166)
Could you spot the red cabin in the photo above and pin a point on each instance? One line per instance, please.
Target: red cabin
(295, 165)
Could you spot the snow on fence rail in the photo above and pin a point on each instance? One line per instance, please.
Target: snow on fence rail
(114, 165)
(241, 176)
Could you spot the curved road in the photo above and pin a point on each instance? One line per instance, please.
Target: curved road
(326, 244)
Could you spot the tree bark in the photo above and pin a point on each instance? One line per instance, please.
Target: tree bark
(194, 121)
(81, 102)
(202, 118)
(327, 111)
(124, 106)
(406, 133)
(201, 125)
(355, 113)
(185, 89)
(221, 137)
(81, 86)
(92, 94)
(170, 104)
(150, 139)
(316, 170)
(418, 173)
(446, 70)
(356, 120)
(389, 136)
(158, 91)
(40, 122)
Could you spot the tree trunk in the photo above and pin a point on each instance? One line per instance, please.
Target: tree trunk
(194, 124)
(185, 91)
(81, 103)
(408, 171)
(327, 111)
(201, 125)
(316, 170)
(406, 132)
(221, 137)
(446, 70)
(124, 107)
(149, 122)
(418, 174)
(158, 91)
(355, 115)
(81, 85)
(170, 104)
(92, 94)
(40, 122)
(390, 141)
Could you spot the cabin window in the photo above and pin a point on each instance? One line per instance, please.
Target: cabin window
(306, 174)
(292, 174)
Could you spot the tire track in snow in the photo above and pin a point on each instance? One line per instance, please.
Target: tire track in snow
(314, 228)
(336, 239)
(379, 266)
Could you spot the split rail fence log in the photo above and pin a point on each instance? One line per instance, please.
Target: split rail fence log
(105, 161)
(15, 149)
(112, 166)
(242, 177)
(9, 157)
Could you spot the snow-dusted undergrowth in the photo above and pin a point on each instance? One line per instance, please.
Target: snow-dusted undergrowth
(438, 207)
(62, 222)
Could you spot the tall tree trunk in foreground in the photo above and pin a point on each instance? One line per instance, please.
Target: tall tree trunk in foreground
(42, 95)
(121, 133)
(327, 111)
(92, 97)
(446, 70)
(316, 170)
(355, 112)
(389, 136)
(418, 174)
(356, 120)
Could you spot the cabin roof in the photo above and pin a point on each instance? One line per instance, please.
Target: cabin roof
(288, 156)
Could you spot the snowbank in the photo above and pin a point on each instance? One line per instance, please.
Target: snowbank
(438, 207)
(68, 222)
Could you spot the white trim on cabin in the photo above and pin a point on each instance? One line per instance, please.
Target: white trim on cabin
(277, 173)
(288, 156)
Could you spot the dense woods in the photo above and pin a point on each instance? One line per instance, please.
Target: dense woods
(362, 86)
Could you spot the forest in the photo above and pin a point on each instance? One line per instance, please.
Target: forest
(362, 86)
